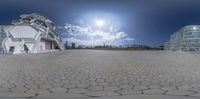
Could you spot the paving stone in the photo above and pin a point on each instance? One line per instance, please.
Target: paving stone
(169, 88)
(124, 82)
(77, 90)
(185, 87)
(17, 89)
(180, 92)
(165, 83)
(69, 86)
(95, 88)
(4, 90)
(104, 84)
(100, 80)
(75, 95)
(38, 91)
(195, 95)
(109, 80)
(140, 87)
(195, 89)
(58, 90)
(93, 83)
(135, 83)
(16, 95)
(155, 81)
(100, 93)
(154, 91)
(155, 86)
(82, 85)
(45, 86)
(60, 96)
(175, 84)
(145, 83)
(130, 72)
(111, 88)
(126, 86)
(116, 83)
(129, 92)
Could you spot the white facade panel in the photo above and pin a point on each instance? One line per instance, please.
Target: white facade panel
(42, 46)
(23, 32)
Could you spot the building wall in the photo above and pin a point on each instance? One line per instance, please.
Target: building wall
(2, 37)
(187, 40)
(32, 33)
(23, 32)
(73, 45)
(42, 45)
(48, 45)
(21, 38)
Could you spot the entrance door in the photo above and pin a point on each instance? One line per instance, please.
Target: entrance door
(12, 48)
(26, 48)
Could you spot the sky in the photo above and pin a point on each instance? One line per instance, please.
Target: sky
(148, 22)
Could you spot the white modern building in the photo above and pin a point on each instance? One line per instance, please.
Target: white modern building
(33, 33)
(187, 40)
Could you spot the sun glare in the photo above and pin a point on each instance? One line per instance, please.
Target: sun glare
(99, 23)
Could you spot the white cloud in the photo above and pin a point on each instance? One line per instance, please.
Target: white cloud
(129, 39)
(120, 35)
(84, 42)
(89, 35)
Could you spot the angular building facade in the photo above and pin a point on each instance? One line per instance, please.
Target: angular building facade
(33, 33)
(187, 40)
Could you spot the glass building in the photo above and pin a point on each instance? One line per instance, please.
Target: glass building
(186, 39)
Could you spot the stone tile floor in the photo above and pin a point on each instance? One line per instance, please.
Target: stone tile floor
(95, 73)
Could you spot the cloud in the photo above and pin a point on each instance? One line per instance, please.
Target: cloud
(129, 39)
(89, 35)
(83, 42)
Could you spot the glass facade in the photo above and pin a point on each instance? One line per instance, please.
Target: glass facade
(187, 40)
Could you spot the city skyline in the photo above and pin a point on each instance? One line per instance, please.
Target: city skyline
(110, 21)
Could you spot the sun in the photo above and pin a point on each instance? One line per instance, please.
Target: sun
(100, 23)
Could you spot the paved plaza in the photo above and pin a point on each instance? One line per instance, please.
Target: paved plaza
(99, 74)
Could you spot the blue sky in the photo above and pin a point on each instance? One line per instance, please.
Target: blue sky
(148, 22)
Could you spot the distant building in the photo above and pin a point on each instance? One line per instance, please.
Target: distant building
(187, 40)
(104, 45)
(66, 45)
(73, 46)
(33, 33)
(161, 47)
(81, 46)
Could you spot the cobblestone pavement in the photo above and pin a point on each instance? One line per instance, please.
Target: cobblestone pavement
(92, 73)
